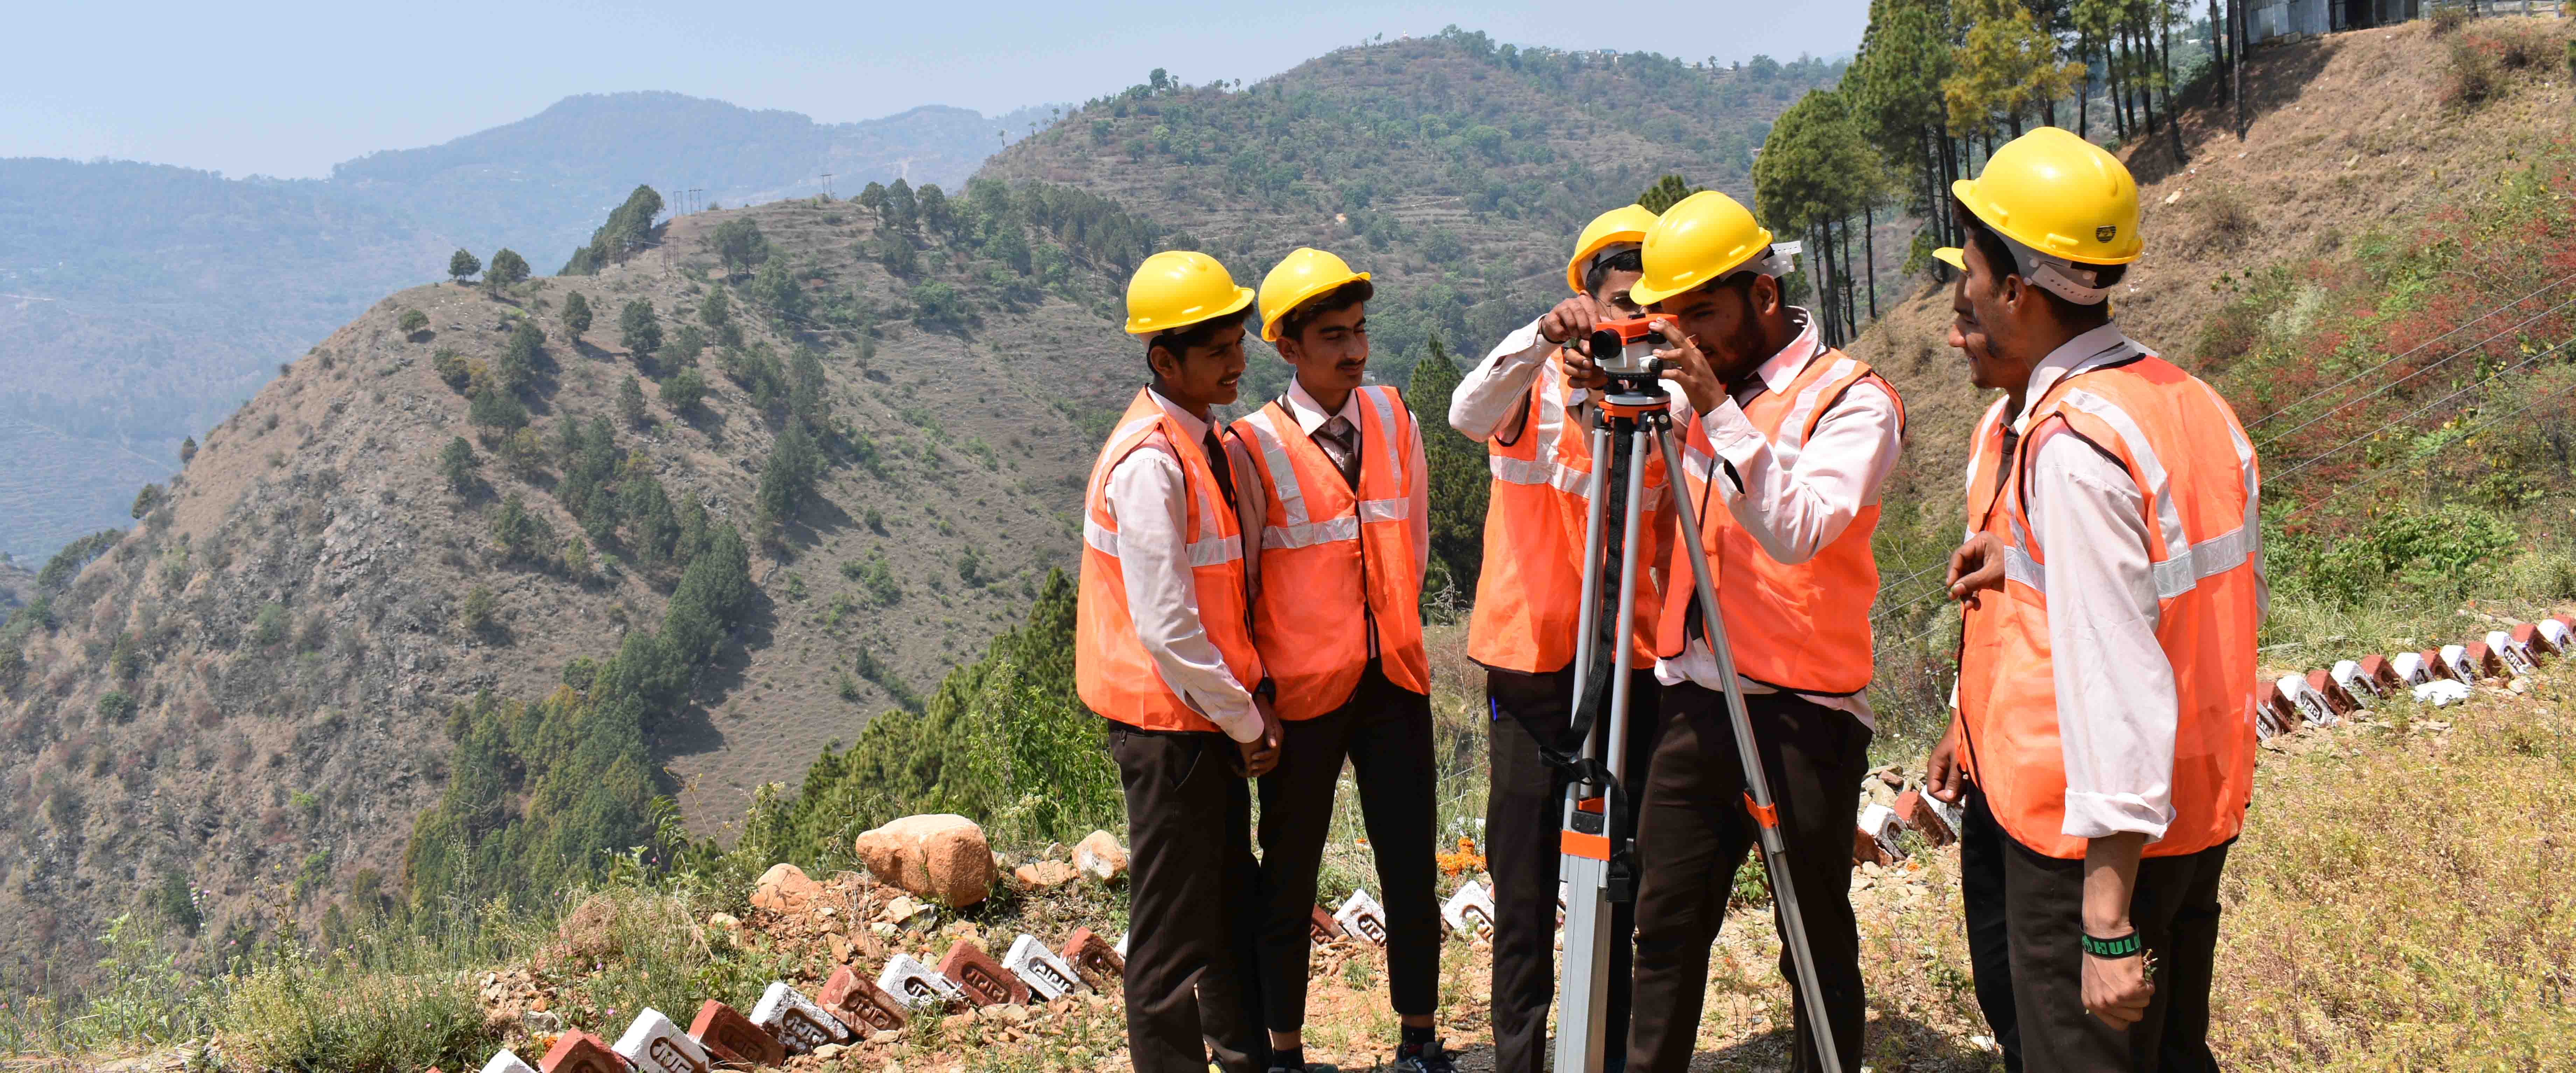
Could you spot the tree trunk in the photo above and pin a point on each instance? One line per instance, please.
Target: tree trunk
(2144, 52)
(2173, 112)
(2236, 31)
(2218, 48)
(2114, 51)
(2084, 96)
(1869, 244)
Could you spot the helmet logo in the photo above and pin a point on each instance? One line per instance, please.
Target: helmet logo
(2105, 232)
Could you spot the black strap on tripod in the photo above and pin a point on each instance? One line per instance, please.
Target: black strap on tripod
(1592, 690)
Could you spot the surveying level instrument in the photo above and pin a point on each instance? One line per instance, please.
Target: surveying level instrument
(1599, 819)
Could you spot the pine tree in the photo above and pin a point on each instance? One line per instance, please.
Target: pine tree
(1459, 478)
(683, 390)
(187, 450)
(508, 269)
(463, 264)
(576, 314)
(739, 245)
(456, 463)
(630, 401)
(638, 329)
(1666, 193)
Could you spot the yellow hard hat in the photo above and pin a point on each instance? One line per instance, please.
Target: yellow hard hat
(2058, 194)
(1178, 288)
(1305, 273)
(1627, 223)
(1701, 238)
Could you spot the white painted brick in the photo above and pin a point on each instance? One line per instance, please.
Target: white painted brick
(655, 1045)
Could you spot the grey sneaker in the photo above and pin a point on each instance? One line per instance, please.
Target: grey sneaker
(1428, 1058)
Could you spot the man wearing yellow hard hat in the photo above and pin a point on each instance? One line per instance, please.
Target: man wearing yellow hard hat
(1337, 524)
(1790, 444)
(1526, 404)
(2103, 743)
(1163, 650)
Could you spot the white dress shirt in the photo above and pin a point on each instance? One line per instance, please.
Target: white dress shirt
(1793, 500)
(1252, 498)
(1491, 397)
(2116, 700)
(1147, 497)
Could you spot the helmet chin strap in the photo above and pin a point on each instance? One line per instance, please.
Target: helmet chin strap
(2070, 280)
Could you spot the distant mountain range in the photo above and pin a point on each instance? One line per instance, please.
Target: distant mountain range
(142, 303)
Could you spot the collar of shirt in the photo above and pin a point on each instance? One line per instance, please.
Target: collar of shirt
(1310, 414)
(1780, 370)
(1190, 423)
(2093, 349)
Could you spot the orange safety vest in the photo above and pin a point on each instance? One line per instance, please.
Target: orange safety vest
(1801, 628)
(1111, 669)
(1528, 596)
(2201, 487)
(1334, 561)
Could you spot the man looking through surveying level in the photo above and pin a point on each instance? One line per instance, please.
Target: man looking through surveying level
(2113, 579)
(1520, 403)
(1783, 463)
(1337, 527)
(1164, 652)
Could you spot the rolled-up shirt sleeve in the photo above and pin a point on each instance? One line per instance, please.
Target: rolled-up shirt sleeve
(1491, 393)
(1795, 503)
(1146, 495)
(2117, 708)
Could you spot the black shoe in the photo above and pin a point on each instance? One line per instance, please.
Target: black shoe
(1428, 1058)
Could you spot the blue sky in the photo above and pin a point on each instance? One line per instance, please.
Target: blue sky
(289, 89)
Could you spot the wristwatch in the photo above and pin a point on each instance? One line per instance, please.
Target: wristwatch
(2126, 946)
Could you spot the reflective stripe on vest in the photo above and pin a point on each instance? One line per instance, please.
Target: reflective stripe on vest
(1334, 564)
(1804, 627)
(2202, 494)
(1114, 674)
(1531, 584)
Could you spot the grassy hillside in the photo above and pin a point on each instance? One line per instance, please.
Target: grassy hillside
(141, 304)
(1455, 170)
(2353, 251)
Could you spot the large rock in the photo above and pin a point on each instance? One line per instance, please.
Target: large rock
(1100, 857)
(942, 857)
(785, 888)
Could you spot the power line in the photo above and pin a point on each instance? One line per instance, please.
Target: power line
(2393, 470)
(2418, 411)
(2391, 385)
(2322, 392)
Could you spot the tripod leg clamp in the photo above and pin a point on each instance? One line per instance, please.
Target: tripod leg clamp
(1766, 815)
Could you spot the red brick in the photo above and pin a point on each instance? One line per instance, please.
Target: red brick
(2376, 669)
(2528, 635)
(581, 1052)
(2485, 661)
(2568, 621)
(2436, 665)
(720, 1026)
(2338, 700)
(1322, 927)
(984, 980)
(860, 1003)
(1094, 958)
(1865, 849)
(2273, 713)
(723, 1058)
(1916, 813)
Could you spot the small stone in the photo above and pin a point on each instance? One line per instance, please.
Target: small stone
(941, 856)
(1045, 875)
(785, 888)
(2520, 685)
(829, 1051)
(1100, 857)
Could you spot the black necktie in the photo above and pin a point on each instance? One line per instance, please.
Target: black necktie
(1341, 444)
(1219, 464)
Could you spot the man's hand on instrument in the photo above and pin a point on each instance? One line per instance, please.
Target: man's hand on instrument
(1569, 326)
(1976, 566)
(1685, 365)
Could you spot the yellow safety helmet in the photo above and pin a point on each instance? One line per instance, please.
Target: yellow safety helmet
(1305, 273)
(1627, 223)
(1178, 288)
(1703, 237)
(2058, 194)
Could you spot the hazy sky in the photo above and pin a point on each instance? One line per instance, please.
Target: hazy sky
(289, 89)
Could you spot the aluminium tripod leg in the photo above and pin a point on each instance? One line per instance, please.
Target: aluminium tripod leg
(1757, 787)
(1583, 986)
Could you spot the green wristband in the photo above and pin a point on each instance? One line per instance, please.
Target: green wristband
(2125, 946)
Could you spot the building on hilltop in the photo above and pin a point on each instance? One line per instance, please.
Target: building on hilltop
(2286, 18)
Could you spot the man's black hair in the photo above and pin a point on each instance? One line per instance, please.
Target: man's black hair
(1998, 253)
(1622, 261)
(1332, 301)
(1182, 340)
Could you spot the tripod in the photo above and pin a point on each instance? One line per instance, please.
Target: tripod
(1599, 822)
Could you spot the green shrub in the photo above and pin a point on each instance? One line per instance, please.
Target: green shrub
(116, 707)
(294, 1013)
(2473, 77)
(2441, 553)
(413, 321)
(269, 626)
